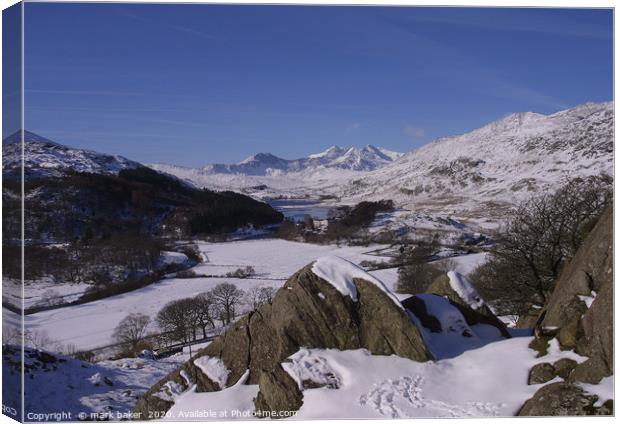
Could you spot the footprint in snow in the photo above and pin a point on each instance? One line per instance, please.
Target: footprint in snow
(402, 398)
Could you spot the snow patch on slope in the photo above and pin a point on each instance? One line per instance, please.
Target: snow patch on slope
(465, 289)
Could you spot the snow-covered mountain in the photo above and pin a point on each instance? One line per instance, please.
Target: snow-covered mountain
(44, 158)
(353, 158)
(480, 173)
(498, 164)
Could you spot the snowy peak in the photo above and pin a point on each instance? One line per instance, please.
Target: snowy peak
(44, 158)
(332, 152)
(261, 158)
(353, 158)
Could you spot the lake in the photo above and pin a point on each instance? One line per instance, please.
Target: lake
(297, 209)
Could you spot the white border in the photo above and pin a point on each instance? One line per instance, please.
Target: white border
(471, 3)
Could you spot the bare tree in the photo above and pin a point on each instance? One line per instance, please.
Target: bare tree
(266, 294)
(174, 320)
(227, 296)
(131, 330)
(539, 238)
(204, 306)
(74, 269)
(257, 296)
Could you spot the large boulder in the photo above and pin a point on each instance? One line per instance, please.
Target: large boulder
(328, 304)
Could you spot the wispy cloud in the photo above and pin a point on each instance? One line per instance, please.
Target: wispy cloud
(178, 28)
(414, 132)
(354, 126)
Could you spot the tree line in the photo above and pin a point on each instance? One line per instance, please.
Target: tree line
(189, 319)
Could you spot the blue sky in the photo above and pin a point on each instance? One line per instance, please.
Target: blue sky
(196, 84)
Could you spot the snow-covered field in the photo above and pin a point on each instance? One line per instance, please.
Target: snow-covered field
(39, 292)
(91, 325)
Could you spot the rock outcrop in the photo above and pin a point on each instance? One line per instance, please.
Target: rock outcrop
(580, 311)
(462, 294)
(579, 315)
(309, 312)
(562, 399)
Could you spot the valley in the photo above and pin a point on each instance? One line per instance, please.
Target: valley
(122, 239)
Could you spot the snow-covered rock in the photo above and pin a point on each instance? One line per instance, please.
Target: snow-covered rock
(340, 273)
(348, 309)
(213, 368)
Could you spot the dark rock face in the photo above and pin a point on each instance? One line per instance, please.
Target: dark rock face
(580, 315)
(278, 392)
(561, 399)
(417, 306)
(306, 312)
(587, 330)
(564, 367)
(541, 373)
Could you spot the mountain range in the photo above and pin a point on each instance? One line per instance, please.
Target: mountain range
(353, 158)
(478, 173)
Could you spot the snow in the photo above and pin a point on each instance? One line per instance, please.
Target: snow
(37, 293)
(79, 387)
(44, 158)
(456, 335)
(96, 379)
(235, 402)
(466, 264)
(274, 261)
(340, 274)
(305, 366)
(588, 299)
(214, 369)
(476, 176)
(474, 384)
(172, 258)
(363, 386)
(465, 289)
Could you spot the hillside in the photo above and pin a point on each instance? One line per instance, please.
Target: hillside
(44, 158)
(73, 192)
(484, 171)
